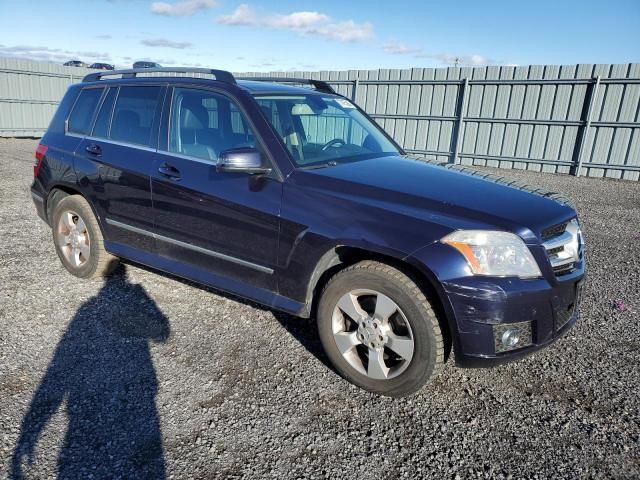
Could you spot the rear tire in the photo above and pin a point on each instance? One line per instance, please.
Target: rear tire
(78, 239)
(379, 330)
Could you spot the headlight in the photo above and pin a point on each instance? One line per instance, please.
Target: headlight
(499, 254)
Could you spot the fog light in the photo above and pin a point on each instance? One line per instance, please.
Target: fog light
(510, 336)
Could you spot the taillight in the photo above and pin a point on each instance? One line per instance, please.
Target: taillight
(40, 153)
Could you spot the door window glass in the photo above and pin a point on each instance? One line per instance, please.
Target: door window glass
(101, 127)
(82, 114)
(133, 114)
(203, 124)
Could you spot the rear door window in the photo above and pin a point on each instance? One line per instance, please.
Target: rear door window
(133, 115)
(84, 110)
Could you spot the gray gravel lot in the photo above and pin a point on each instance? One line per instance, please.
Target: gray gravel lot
(147, 376)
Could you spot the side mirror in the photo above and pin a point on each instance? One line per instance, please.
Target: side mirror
(246, 160)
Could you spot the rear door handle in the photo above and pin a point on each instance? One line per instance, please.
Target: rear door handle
(169, 171)
(94, 149)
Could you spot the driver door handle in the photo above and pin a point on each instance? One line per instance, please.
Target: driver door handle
(169, 171)
(94, 149)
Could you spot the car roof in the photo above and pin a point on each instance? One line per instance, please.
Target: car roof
(251, 86)
(255, 87)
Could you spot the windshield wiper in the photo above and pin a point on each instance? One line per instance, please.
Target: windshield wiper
(331, 163)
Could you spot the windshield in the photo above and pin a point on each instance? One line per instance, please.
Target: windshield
(320, 130)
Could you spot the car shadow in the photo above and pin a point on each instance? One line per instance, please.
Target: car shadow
(304, 330)
(102, 375)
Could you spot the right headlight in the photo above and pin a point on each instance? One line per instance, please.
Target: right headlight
(500, 254)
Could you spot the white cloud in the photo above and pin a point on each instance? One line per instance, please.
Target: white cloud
(182, 8)
(396, 48)
(92, 54)
(163, 42)
(56, 55)
(348, 31)
(304, 23)
(297, 20)
(460, 60)
(242, 15)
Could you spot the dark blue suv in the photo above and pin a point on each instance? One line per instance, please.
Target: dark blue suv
(283, 192)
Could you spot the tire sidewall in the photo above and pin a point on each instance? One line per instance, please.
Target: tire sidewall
(416, 311)
(79, 206)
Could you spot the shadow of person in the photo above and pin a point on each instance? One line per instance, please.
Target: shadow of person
(103, 372)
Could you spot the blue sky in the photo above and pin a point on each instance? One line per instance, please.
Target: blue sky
(328, 35)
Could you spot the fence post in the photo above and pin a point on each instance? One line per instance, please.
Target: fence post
(356, 82)
(457, 135)
(587, 110)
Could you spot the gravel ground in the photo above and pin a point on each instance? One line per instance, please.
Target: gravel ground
(147, 376)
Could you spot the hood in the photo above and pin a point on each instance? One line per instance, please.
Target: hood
(404, 184)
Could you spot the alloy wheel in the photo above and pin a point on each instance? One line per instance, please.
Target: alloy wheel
(73, 239)
(373, 334)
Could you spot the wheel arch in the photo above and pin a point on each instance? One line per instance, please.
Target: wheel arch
(343, 256)
(57, 192)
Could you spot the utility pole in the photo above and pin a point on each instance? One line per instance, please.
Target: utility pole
(457, 61)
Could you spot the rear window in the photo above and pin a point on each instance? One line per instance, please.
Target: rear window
(134, 113)
(83, 110)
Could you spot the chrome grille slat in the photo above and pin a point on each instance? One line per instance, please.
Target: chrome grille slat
(564, 247)
(553, 231)
(559, 241)
(555, 250)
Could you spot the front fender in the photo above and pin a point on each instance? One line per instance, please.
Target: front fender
(315, 222)
(313, 254)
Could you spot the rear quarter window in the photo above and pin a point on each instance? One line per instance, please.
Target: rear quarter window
(83, 111)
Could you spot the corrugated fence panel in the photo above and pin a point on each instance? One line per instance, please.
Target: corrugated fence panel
(29, 94)
(566, 119)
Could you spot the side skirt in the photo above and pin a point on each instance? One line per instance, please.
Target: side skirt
(199, 275)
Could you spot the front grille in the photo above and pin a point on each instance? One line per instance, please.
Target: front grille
(553, 251)
(563, 269)
(563, 244)
(553, 231)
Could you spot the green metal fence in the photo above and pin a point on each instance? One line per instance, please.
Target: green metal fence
(29, 94)
(577, 119)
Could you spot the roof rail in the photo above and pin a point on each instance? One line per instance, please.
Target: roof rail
(220, 75)
(319, 85)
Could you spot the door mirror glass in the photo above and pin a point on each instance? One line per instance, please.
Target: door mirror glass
(247, 160)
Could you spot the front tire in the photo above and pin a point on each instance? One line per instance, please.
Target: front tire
(379, 330)
(78, 239)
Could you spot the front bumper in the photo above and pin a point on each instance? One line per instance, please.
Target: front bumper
(483, 307)
(477, 307)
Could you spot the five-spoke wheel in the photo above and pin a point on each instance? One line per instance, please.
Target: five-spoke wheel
(379, 330)
(372, 334)
(78, 238)
(73, 238)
